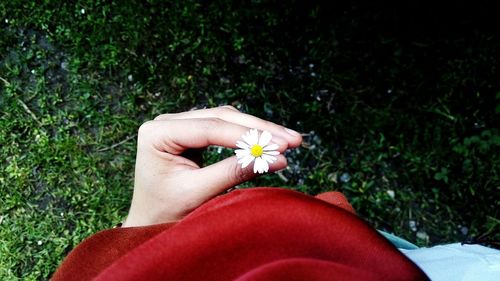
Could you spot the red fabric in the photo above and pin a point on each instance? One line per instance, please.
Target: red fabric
(101, 249)
(249, 234)
(336, 198)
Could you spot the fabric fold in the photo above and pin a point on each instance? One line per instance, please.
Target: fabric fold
(258, 233)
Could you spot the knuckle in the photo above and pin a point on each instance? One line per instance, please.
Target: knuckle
(229, 107)
(146, 127)
(223, 110)
(211, 123)
(162, 116)
(165, 116)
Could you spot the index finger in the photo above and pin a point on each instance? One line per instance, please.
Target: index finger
(231, 114)
(176, 135)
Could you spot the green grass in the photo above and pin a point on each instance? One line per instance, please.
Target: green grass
(399, 113)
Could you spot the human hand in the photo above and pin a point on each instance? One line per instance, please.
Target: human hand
(169, 180)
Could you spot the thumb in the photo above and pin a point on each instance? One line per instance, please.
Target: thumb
(227, 173)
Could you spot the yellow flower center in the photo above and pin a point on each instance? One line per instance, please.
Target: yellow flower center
(256, 150)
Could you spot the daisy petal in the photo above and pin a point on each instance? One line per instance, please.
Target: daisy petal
(241, 159)
(256, 165)
(245, 161)
(242, 145)
(241, 153)
(260, 166)
(269, 158)
(265, 138)
(272, 146)
(254, 137)
(272, 153)
(246, 138)
(266, 168)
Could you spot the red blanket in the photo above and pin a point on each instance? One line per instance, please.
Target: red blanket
(248, 234)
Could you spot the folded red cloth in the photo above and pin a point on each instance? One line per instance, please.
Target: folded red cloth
(247, 234)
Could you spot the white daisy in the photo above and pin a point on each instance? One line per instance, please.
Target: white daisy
(259, 149)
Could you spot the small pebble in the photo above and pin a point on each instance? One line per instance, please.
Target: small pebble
(64, 65)
(422, 235)
(464, 230)
(391, 193)
(345, 177)
(413, 225)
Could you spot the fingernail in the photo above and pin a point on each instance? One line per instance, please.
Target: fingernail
(292, 132)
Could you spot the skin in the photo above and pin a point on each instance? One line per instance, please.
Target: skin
(169, 179)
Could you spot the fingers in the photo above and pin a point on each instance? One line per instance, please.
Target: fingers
(228, 173)
(175, 136)
(231, 114)
(200, 113)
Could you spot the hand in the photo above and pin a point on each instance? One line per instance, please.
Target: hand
(170, 182)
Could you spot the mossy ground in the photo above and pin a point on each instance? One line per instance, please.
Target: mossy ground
(399, 107)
